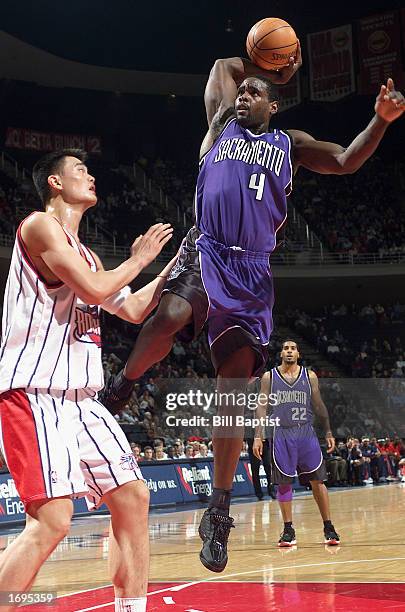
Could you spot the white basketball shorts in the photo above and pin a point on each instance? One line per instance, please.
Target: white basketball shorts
(61, 443)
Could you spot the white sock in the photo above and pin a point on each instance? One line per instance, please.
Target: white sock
(130, 604)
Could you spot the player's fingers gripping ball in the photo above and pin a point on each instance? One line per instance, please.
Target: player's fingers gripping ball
(271, 43)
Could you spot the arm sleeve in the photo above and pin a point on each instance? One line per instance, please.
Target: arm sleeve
(115, 301)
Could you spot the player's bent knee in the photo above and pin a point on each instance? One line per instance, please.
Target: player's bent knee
(284, 493)
(173, 314)
(316, 483)
(142, 497)
(131, 499)
(59, 529)
(51, 521)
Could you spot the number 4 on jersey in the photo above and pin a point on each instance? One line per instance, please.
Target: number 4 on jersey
(258, 185)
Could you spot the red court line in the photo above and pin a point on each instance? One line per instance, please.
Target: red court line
(248, 596)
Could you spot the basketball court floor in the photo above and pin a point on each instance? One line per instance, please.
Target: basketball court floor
(364, 573)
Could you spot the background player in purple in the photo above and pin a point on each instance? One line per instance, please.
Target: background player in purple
(222, 275)
(295, 450)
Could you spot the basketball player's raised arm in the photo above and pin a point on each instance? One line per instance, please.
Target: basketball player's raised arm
(330, 158)
(221, 89)
(47, 244)
(261, 413)
(321, 411)
(135, 307)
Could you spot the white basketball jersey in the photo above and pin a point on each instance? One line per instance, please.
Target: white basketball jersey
(50, 338)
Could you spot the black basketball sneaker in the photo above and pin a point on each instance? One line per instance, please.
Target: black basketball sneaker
(112, 396)
(214, 531)
(287, 538)
(331, 537)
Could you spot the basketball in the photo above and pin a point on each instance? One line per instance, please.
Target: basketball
(271, 42)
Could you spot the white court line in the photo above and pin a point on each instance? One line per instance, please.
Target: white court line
(256, 571)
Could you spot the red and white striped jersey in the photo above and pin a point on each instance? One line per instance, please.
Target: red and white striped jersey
(50, 338)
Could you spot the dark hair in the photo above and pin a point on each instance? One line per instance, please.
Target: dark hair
(147, 448)
(290, 340)
(271, 90)
(50, 164)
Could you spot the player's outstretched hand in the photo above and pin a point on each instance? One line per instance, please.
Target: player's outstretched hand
(282, 76)
(258, 448)
(147, 247)
(390, 104)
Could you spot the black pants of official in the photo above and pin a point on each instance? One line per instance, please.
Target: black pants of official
(255, 464)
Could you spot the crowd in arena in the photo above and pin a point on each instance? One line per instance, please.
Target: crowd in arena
(13, 198)
(345, 212)
(369, 461)
(367, 341)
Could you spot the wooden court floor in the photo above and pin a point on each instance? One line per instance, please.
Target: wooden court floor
(366, 570)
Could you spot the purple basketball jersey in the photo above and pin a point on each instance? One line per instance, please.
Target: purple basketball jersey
(294, 406)
(242, 188)
(295, 446)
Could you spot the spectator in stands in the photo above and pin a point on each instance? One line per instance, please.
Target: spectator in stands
(196, 446)
(401, 466)
(333, 348)
(368, 314)
(160, 455)
(178, 448)
(371, 456)
(170, 452)
(394, 450)
(151, 387)
(148, 453)
(146, 401)
(136, 451)
(355, 462)
(125, 416)
(189, 452)
(179, 352)
(202, 451)
(336, 465)
(387, 465)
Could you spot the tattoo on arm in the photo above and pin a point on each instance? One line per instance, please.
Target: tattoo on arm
(219, 122)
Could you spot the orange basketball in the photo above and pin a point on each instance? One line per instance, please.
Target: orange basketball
(271, 42)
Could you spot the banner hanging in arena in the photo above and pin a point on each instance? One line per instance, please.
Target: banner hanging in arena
(331, 68)
(32, 140)
(290, 94)
(380, 51)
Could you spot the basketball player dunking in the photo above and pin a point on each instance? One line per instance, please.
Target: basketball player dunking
(222, 275)
(295, 448)
(58, 440)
